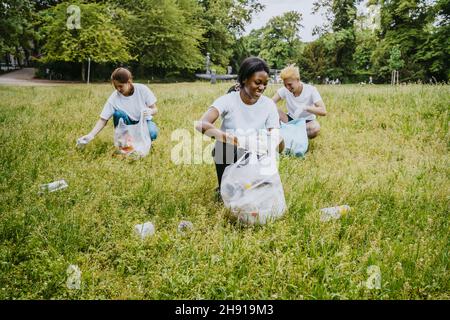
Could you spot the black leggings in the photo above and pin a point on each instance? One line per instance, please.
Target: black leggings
(223, 158)
(290, 119)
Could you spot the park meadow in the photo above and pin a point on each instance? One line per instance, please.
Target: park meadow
(383, 150)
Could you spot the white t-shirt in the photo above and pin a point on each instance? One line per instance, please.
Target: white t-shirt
(133, 105)
(236, 115)
(243, 120)
(294, 104)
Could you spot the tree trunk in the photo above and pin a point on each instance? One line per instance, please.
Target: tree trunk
(83, 72)
(18, 58)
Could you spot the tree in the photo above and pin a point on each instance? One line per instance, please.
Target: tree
(165, 35)
(16, 32)
(366, 43)
(395, 62)
(341, 15)
(314, 61)
(97, 37)
(421, 29)
(223, 22)
(281, 40)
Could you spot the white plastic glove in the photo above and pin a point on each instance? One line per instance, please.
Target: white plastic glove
(148, 114)
(84, 140)
(254, 143)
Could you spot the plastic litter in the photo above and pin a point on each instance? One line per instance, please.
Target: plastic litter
(53, 186)
(374, 280)
(185, 227)
(253, 193)
(132, 140)
(73, 277)
(144, 230)
(295, 137)
(334, 213)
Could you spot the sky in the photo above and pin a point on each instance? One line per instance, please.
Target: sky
(278, 7)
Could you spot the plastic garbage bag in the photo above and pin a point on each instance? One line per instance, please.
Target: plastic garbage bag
(134, 139)
(295, 137)
(253, 194)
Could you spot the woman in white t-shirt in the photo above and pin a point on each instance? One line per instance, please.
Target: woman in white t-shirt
(302, 100)
(126, 102)
(243, 113)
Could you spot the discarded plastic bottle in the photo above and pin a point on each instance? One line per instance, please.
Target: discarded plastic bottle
(333, 212)
(144, 230)
(73, 277)
(185, 226)
(54, 186)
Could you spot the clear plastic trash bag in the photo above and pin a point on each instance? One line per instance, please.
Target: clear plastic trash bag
(134, 139)
(253, 194)
(295, 137)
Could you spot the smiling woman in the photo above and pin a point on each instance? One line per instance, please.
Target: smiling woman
(243, 112)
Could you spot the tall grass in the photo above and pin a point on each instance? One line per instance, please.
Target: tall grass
(382, 150)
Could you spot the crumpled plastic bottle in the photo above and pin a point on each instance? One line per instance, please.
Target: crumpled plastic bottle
(73, 277)
(53, 186)
(144, 230)
(333, 213)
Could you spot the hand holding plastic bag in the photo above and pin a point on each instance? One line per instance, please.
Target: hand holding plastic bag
(148, 114)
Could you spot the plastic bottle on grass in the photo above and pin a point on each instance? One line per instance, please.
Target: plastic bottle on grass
(53, 186)
(73, 277)
(333, 213)
(144, 230)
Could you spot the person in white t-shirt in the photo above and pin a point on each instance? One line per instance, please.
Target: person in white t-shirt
(126, 102)
(302, 100)
(243, 112)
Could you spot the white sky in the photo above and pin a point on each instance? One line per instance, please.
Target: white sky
(278, 7)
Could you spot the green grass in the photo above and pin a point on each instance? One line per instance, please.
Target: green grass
(382, 150)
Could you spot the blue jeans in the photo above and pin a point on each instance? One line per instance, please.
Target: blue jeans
(152, 128)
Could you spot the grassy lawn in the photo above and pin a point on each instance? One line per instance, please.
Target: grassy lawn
(382, 150)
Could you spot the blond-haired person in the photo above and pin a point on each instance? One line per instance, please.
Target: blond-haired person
(303, 101)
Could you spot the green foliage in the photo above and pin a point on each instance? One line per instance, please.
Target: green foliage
(421, 29)
(165, 35)
(98, 37)
(280, 39)
(223, 21)
(16, 29)
(278, 42)
(395, 59)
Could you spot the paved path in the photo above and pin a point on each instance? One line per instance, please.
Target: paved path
(25, 77)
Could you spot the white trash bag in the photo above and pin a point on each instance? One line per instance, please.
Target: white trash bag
(134, 139)
(253, 194)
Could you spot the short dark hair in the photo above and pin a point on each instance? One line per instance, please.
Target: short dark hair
(250, 66)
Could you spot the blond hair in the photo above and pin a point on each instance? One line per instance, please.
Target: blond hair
(290, 72)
